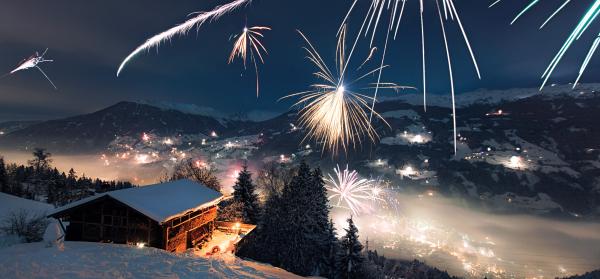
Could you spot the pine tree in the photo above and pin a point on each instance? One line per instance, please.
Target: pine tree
(269, 241)
(350, 257)
(330, 255)
(295, 232)
(319, 212)
(4, 187)
(298, 227)
(41, 159)
(244, 192)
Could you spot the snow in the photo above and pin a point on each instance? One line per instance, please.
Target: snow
(98, 260)
(484, 96)
(223, 118)
(412, 135)
(163, 201)
(401, 114)
(9, 204)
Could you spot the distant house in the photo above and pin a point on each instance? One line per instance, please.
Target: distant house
(173, 216)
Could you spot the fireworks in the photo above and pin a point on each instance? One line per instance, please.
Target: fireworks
(333, 114)
(350, 191)
(197, 21)
(584, 23)
(249, 42)
(394, 9)
(33, 62)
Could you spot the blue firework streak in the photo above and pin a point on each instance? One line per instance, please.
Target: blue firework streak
(582, 26)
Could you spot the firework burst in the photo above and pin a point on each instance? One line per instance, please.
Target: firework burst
(350, 191)
(582, 26)
(332, 113)
(394, 10)
(33, 62)
(249, 43)
(197, 21)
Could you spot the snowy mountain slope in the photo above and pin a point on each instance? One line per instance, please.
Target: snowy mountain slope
(96, 130)
(493, 97)
(96, 260)
(519, 150)
(252, 116)
(11, 126)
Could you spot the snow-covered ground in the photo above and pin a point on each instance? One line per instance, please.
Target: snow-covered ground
(49, 259)
(97, 260)
(11, 204)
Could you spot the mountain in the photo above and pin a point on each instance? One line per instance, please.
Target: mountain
(11, 126)
(94, 132)
(519, 150)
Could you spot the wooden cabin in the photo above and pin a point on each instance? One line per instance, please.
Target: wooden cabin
(173, 216)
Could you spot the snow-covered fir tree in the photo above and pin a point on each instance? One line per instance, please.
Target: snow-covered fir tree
(330, 255)
(298, 225)
(319, 210)
(270, 235)
(244, 192)
(295, 232)
(350, 256)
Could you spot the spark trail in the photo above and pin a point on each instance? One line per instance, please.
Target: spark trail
(379, 10)
(582, 26)
(249, 42)
(33, 62)
(197, 21)
(332, 112)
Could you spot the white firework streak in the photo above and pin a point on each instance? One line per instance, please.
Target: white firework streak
(184, 28)
(582, 26)
(33, 62)
(395, 10)
(249, 42)
(350, 191)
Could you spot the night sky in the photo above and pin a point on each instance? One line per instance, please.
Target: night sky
(88, 40)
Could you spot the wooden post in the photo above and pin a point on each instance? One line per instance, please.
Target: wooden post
(166, 237)
(149, 230)
(83, 225)
(102, 221)
(62, 227)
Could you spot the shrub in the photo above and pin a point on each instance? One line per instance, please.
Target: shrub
(29, 227)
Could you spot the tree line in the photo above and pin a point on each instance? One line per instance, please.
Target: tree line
(38, 180)
(294, 230)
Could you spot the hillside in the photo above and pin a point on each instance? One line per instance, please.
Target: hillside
(96, 260)
(519, 151)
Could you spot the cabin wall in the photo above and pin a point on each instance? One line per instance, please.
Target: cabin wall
(189, 230)
(107, 220)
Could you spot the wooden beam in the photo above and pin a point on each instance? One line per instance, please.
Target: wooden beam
(62, 227)
(149, 230)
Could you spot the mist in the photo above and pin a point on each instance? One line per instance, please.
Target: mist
(437, 230)
(473, 244)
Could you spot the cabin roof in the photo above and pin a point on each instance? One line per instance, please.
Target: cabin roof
(160, 202)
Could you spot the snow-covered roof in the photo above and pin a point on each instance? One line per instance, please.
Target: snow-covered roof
(160, 202)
